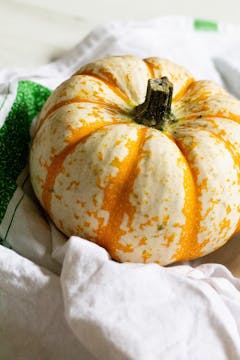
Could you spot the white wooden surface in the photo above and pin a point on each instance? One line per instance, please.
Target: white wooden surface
(33, 32)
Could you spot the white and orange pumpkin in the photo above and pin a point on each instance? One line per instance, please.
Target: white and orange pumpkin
(156, 182)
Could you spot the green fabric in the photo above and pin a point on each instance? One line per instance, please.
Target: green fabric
(205, 25)
(15, 137)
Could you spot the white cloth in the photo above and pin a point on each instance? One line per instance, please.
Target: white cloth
(32, 323)
(136, 311)
(68, 300)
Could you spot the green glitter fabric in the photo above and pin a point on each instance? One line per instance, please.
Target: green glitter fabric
(15, 137)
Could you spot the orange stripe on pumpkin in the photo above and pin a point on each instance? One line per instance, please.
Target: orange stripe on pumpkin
(56, 166)
(109, 82)
(73, 100)
(117, 195)
(194, 247)
(183, 90)
(188, 246)
(86, 129)
(150, 68)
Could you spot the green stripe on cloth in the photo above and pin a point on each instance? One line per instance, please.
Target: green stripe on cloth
(205, 25)
(15, 137)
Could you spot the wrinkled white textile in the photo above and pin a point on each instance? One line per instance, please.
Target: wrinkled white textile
(65, 298)
(136, 311)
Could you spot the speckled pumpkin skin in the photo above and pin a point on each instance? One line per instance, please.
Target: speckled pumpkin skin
(143, 194)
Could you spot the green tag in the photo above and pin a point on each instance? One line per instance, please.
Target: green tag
(205, 25)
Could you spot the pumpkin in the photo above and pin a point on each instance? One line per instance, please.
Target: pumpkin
(138, 157)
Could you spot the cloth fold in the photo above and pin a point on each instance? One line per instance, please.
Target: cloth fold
(32, 322)
(135, 311)
(65, 298)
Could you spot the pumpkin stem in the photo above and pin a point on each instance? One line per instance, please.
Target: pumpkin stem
(156, 109)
